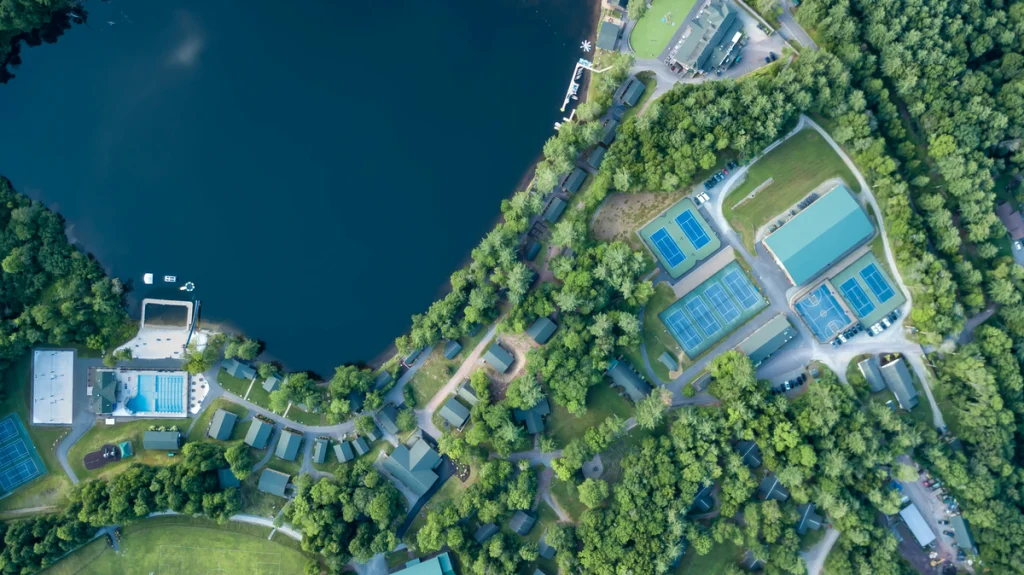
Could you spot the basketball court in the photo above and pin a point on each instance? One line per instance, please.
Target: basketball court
(823, 313)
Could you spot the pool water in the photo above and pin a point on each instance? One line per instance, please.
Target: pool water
(159, 394)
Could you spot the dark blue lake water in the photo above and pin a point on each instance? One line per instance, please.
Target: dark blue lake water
(317, 168)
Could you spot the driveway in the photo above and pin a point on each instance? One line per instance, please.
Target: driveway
(789, 26)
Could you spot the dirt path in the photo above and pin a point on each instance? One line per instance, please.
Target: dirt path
(544, 490)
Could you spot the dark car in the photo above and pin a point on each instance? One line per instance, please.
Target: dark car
(767, 59)
(731, 165)
(772, 56)
(802, 378)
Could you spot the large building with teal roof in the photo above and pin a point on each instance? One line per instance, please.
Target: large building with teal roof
(819, 236)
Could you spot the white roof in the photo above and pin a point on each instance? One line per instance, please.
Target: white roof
(918, 526)
(52, 386)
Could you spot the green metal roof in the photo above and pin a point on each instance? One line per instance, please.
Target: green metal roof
(454, 413)
(575, 180)
(668, 361)
(414, 466)
(272, 383)
(498, 358)
(222, 425)
(632, 93)
(608, 135)
(607, 36)
(343, 451)
(288, 445)
(533, 417)
(238, 369)
(161, 440)
(104, 392)
(452, 349)
(532, 251)
(467, 393)
(596, 156)
(319, 450)
(226, 479)
(869, 369)
(962, 531)
(360, 446)
(388, 418)
(623, 376)
(554, 211)
(820, 235)
(541, 330)
(273, 482)
(522, 522)
(767, 339)
(258, 434)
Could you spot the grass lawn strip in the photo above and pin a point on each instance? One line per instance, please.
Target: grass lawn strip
(655, 29)
(185, 545)
(132, 431)
(564, 494)
(257, 502)
(305, 417)
(235, 385)
(198, 432)
(796, 167)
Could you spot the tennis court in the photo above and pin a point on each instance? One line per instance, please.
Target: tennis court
(711, 311)
(670, 251)
(693, 230)
(867, 290)
(823, 313)
(680, 238)
(855, 295)
(19, 461)
(876, 283)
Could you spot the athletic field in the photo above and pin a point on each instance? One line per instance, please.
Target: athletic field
(187, 546)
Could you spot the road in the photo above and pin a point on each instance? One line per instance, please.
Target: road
(816, 555)
(789, 26)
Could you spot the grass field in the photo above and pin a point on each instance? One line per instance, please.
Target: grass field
(721, 556)
(546, 517)
(656, 335)
(305, 417)
(258, 395)
(651, 34)
(797, 166)
(102, 434)
(199, 429)
(564, 493)
(185, 545)
(437, 370)
(52, 488)
(257, 502)
(602, 400)
(233, 384)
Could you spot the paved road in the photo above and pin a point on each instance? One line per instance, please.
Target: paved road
(790, 27)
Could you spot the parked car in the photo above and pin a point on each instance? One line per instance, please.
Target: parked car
(705, 197)
(802, 378)
(767, 60)
(1017, 245)
(772, 56)
(732, 165)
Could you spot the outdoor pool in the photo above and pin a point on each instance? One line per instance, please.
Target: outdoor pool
(159, 394)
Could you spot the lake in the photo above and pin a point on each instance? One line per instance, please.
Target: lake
(317, 168)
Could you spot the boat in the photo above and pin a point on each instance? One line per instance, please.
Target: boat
(147, 279)
(170, 279)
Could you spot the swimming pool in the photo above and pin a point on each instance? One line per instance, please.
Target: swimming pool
(159, 394)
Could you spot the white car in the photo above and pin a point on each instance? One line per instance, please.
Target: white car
(705, 197)
(1017, 245)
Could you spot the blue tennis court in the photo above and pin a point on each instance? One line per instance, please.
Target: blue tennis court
(876, 283)
(854, 294)
(739, 285)
(682, 329)
(702, 315)
(822, 312)
(19, 474)
(693, 230)
(722, 302)
(12, 452)
(668, 248)
(7, 429)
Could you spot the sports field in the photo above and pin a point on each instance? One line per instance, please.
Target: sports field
(713, 310)
(188, 546)
(822, 312)
(679, 238)
(653, 32)
(868, 290)
(799, 165)
(19, 461)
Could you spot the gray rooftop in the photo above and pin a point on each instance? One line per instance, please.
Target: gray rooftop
(772, 488)
(288, 445)
(161, 440)
(533, 417)
(623, 375)
(900, 382)
(498, 358)
(750, 453)
(388, 418)
(259, 433)
(542, 330)
(454, 413)
(869, 369)
(343, 451)
(522, 522)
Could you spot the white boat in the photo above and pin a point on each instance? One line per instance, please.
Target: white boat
(147, 279)
(170, 279)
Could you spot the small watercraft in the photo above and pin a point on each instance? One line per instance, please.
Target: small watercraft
(170, 279)
(147, 279)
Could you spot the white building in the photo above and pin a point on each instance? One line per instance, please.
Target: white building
(53, 380)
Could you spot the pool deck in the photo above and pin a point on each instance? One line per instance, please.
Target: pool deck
(128, 387)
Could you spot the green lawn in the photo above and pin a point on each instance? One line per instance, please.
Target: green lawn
(546, 517)
(396, 559)
(102, 434)
(289, 467)
(305, 417)
(199, 429)
(651, 34)
(233, 384)
(258, 395)
(437, 370)
(656, 335)
(52, 488)
(186, 545)
(721, 556)
(602, 400)
(564, 492)
(797, 166)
